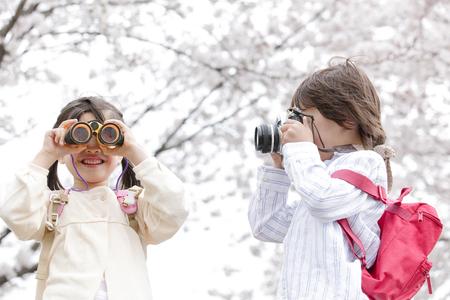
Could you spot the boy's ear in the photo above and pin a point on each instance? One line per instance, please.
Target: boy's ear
(349, 124)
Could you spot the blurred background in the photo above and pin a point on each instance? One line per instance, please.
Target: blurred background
(193, 79)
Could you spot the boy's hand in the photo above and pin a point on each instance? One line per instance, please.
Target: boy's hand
(293, 131)
(130, 148)
(277, 160)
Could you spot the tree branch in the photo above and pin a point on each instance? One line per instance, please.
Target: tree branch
(210, 125)
(20, 273)
(10, 25)
(178, 52)
(4, 234)
(7, 28)
(154, 106)
(186, 118)
(300, 28)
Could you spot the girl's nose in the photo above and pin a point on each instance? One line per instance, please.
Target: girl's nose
(92, 150)
(92, 146)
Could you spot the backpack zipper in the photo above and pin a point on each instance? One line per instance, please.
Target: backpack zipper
(430, 290)
(429, 216)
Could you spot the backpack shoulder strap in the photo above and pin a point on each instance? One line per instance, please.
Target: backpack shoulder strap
(377, 192)
(363, 183)
(42, 269)
(128, 203)
(352, 240)
(58, 199)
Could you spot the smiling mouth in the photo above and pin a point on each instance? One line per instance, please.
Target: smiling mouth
(92, 161)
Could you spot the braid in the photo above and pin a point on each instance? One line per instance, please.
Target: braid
(386, 153)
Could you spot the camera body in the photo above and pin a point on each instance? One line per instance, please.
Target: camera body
(268, 136)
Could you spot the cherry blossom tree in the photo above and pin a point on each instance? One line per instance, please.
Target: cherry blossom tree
(195, 77)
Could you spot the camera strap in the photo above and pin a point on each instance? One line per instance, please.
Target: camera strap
(342, 148)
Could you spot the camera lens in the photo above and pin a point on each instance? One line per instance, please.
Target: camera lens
(267, 138)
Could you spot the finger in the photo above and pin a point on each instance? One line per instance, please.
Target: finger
(285, 127)
(282, 138)
(117, 122)
(52, 134)
(63, 127)
(276, 156)
(67, 123)
(61, 137)
(291, 121)
(307, 121)
(58, 132)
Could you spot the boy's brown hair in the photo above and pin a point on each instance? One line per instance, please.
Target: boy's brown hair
(341, 93)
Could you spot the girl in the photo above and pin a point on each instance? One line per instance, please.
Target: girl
(95, 254)
(341, 127)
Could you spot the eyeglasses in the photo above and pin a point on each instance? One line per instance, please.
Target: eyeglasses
(295, 113)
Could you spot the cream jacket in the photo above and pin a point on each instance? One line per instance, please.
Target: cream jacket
(93, 238)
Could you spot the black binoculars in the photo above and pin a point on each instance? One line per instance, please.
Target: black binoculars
(108, 134)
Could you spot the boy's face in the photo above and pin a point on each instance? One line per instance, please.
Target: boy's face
(94, 166)
(331, 133)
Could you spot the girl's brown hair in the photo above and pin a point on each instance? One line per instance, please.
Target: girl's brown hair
(73, 110)
(343, 92)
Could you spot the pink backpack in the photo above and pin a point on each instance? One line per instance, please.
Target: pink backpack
(409, 232)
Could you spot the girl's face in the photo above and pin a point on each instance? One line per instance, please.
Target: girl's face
(91, 163)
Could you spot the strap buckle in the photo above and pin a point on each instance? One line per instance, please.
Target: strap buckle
(59, 198)
(57, 202)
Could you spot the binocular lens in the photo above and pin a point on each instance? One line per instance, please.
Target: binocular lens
(109, 134)
(81, 133)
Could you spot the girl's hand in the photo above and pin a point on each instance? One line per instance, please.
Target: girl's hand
(130, 149)
(293, 131)
(54, 147)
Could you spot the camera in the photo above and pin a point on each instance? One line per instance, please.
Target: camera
(268, 137)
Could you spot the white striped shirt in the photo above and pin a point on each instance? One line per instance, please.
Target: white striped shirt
(317, 261)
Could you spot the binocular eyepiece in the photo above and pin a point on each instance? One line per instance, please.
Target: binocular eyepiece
(268, 136)
(108, 134)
